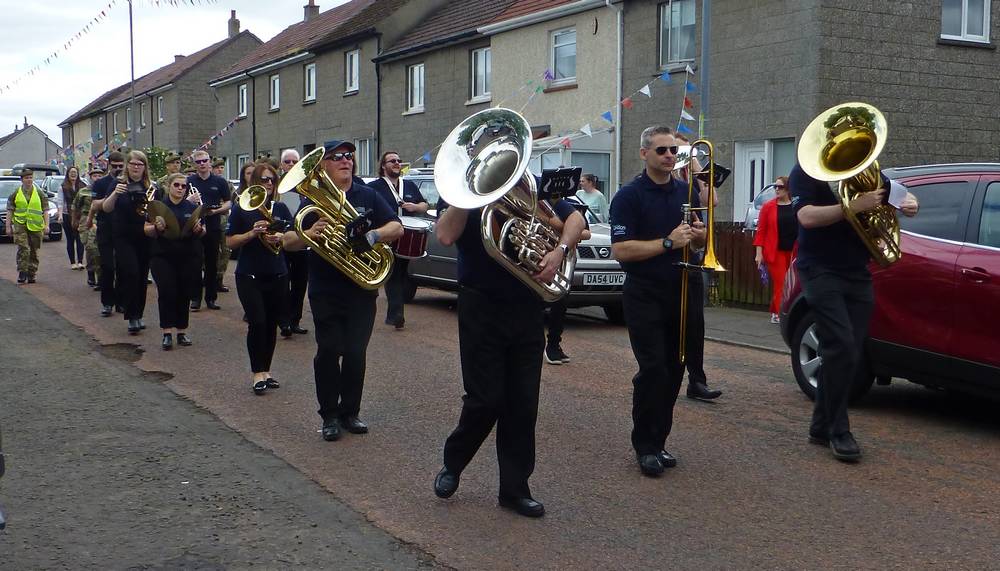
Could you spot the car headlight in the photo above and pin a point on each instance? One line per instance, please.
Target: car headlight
(53, 210)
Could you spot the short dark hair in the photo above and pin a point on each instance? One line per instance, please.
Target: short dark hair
(645, 140)
(116, 157)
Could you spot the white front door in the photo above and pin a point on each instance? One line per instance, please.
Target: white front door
(749, 176)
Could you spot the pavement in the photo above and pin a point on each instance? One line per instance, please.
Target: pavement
(743, 328)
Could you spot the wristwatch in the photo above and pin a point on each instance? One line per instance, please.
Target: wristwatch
(564, 248)
(668, 244)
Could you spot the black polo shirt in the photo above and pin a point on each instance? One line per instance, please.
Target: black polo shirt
(324, 278)
(102, 189)
(645, 210)
(214, 191)
(835, 247)
(410, 193)
(256, 259)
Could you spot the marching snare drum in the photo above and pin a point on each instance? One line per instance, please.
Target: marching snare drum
(413, 243)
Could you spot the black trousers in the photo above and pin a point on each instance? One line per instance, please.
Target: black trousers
(74, 246)
(652, 315)
(210, 243)
(394, 290)
(343, 327)
(556, 321)
(695, 347)
(132, 265)
(842, 304)
(107, 282)
(501, 347)
(176, 277)
(298, 279)
(263, 299)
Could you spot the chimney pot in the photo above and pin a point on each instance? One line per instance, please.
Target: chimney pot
(234, 24)
(311, 10)
(178, 58)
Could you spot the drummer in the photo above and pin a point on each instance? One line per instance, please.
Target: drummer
(409, 203)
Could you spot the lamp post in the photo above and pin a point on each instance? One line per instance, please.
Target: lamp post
(706, 35)
(131, 51)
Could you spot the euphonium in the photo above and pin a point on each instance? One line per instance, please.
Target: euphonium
(843, 144)
(368, 270)
(255, 198)
(484, 163)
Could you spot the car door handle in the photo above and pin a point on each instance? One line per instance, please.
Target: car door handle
(976, 275)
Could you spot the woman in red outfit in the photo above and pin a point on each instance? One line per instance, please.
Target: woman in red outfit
(777, 231)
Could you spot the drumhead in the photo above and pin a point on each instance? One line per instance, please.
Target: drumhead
(414, 223)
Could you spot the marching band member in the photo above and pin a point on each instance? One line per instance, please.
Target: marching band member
(102, 189)
(216, 200)
(343, 312)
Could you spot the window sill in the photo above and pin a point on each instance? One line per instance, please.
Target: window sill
(350, 92)
(479, 100)
(414, 111)
(677, 67)
(274, 110)
(309, 101)
(159, 121)
(966, 43)
(240, 117)
(553, 88)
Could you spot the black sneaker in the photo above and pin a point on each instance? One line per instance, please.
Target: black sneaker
(31, 279)
(554, 355)
(107, 310)
(21, 277)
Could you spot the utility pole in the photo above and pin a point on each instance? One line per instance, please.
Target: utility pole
(131, 50)
(706, 36)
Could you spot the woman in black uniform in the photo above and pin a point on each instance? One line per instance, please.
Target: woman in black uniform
(261, 274)
(175, 260)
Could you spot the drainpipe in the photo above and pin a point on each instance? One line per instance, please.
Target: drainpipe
(378, 98)
(620, 24)
(706, 32)
(253, 117)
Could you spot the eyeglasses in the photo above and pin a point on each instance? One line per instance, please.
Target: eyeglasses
(179, 185)
(397, 161)
(201, 161)
(663, 150)
(267, 179)
(339, 156)
(136, 164)
(289, 161)
(780, 186)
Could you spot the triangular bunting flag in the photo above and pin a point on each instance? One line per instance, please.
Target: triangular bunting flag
(688, 69)
(607, 116)
(586, 130)
(548, 75)
(686, 116)
(690, 86)
(565, 142)
(427, 157)
(688, 104)
(665, 76)
(627, 103)
(646, 91)
(682, 128)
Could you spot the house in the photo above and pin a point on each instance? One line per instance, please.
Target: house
(27, 144)
(175, 108)
(313, 82)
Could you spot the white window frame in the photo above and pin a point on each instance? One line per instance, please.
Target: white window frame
(114, 122)
(415, 94)
(309, 82)
(100, 127)
(242, 160)
(128, 118)
(965, 36)
(363, 156)
(480, 57)
(142, 114)
(159, 109)
(241, 100)
(553, 44)
(352, 71)
(275, 92)
(663, 30)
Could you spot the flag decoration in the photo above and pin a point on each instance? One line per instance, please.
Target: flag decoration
(646, 91)
(215, 137)
(586, 130)
(607, 116)
(565, 142)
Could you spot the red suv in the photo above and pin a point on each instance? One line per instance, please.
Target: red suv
(937, 310)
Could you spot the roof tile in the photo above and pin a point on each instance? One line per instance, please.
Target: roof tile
(457, 18)
(525, 7)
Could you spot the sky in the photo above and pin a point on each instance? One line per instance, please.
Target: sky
(99, 59)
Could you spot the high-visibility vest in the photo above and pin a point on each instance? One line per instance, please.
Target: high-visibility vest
(29, 213)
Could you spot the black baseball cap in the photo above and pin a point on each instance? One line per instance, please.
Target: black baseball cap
(329, 146)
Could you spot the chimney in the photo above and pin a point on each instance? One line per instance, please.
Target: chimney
(25, 122)
(234, 24)
(311, 10)
(178, 58)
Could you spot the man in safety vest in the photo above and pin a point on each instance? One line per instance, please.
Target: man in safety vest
(26, 222)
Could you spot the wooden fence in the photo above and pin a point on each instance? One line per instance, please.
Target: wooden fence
(740, 284)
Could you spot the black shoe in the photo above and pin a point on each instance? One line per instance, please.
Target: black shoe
(168, 342)
(91, 282)
(701, 391)
(21, 277)
(31, 279)
(272, 383)
(195, 306)
(119, 309)
(141, 324)
(183, 339)
(845, 447)
(260, 386)
(650, 464)
(331, 430)
(212, 304)
(299, 330)
(666, 458)
(106, 311)
(286, 331)
(818, 440)
(133, 326)
(222, 288)
(554, 355)
(445, 483)
(353, 425)
(524, 506)
(397, 323)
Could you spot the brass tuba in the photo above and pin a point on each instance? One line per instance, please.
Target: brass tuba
(255, 198)
(484, 163)
(843, 144)
(368, 270)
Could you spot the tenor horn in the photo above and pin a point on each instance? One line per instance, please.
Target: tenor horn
(484, 163)
(255, 198)
(369, 269)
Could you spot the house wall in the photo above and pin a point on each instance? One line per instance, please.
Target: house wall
(29, 146)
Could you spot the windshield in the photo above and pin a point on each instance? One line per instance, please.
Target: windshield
(7, 188)
(766, 194)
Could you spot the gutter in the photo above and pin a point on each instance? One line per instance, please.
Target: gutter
(427, 46)
(542, 16)
(261, 69)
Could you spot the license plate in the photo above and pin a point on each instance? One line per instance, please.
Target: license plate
(604, 278)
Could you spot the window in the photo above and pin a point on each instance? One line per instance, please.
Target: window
(989, 223)
(965, 20)
(241, 161)
(142, 114)
(363, 157)
(275, 92)
(241, 100)
(482, 64)
(944, 208)
(415, 87)
(128, 118)
(550, 160)
(307, 148)
(429, 191)
(563, 60)
(352, 63)
(100, 127)
(597, 164)
(159, 109)
(309, 77)
(114, 123)
(677, 21)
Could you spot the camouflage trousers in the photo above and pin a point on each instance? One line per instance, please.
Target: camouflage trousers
(89, 239)
(224, 250)
(28, 243)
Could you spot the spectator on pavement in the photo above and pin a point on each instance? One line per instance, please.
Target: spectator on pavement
(777, 231)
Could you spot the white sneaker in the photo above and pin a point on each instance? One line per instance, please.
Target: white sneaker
(774, 318)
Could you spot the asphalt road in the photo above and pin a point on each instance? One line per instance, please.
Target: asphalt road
(749, 491)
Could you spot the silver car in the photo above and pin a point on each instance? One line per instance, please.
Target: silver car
(753, 209)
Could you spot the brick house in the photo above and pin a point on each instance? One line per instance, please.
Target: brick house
(27, 144)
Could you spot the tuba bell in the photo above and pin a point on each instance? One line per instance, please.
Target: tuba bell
(843, 144)
(369, 269)
(484, 163)
(255, 198)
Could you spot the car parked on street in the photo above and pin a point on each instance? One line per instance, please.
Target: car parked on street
(753, 209)
(937, 309)
(8, 185)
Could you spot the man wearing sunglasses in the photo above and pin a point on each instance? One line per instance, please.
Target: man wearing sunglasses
(648, 236)
(105, 244)
(343, 313)
(216, 200)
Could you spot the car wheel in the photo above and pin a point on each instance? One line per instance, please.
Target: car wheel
(615, 313)
(806, 362)
(409, 290)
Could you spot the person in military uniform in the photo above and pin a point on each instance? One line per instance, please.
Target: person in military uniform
(173, 164)
(218, 169)
(83, 221)
(27, 223)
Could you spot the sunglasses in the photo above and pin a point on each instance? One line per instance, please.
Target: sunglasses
(117, 165)
(338, 156)
(397, 161)
(288, 162)
(270, 179)
(201, 161)
(663, 150)
(780, 186)
(179, 185)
